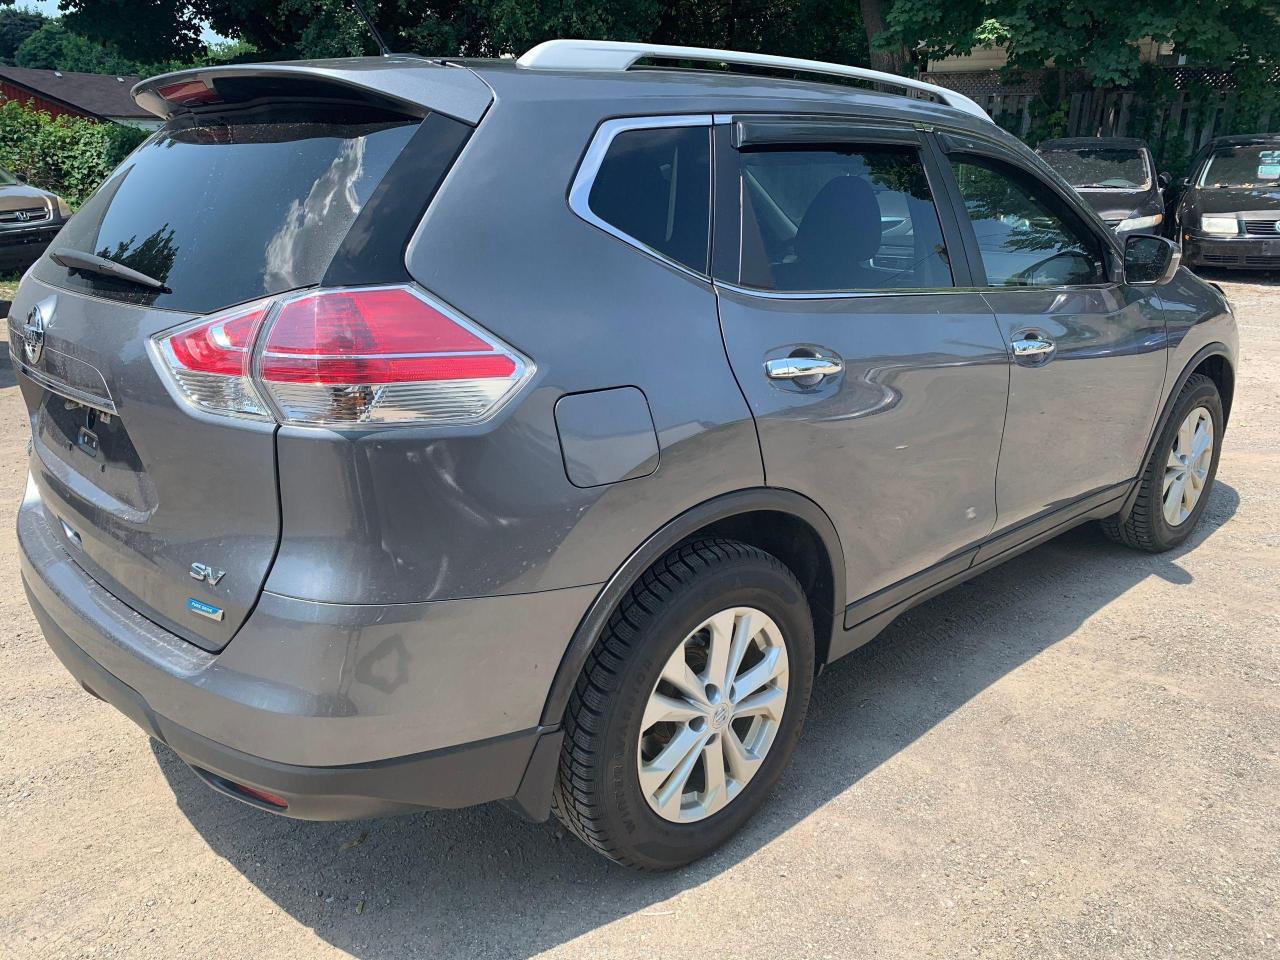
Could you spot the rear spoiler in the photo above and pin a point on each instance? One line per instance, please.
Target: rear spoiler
(410, 83)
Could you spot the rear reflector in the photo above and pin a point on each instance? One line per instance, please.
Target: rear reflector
(377, 355)
(268, 798)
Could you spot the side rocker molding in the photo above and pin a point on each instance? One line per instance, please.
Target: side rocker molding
(1215, 349)
(756, 499)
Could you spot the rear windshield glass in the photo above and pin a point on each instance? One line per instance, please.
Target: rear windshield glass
(1251, 166)
(1102, 168)
(222, 212)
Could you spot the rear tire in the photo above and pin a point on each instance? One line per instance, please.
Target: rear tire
(1176, 483)
(612, 790)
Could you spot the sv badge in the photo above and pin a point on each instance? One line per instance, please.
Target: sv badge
(206, 574)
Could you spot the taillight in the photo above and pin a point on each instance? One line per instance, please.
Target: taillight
(377, 355)
(189, 93)
(209, 362)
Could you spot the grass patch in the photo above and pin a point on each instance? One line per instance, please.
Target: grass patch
(8, 285)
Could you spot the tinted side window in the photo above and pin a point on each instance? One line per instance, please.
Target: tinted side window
(655, 186)
(856, 219)
(1026, 235)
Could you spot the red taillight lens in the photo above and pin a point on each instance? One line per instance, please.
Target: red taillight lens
(189, 93)
(334, 357)
(210, 361)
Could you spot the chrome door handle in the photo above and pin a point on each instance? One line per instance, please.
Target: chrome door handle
(1033, 348)
(793, 368)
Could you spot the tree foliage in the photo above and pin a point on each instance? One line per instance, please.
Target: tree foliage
(152, 30)
(67, 155)
(1097, 37)
(15, 26)
(54, 47)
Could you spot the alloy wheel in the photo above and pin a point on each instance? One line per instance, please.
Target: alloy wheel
(713, 714)
(1187, 468)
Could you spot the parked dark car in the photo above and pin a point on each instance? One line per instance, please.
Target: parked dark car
(1228, 210)
(1115, 175)
(416, 434)
(29, 219)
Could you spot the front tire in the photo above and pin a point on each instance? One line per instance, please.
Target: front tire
(688, 708)
(1175, 485)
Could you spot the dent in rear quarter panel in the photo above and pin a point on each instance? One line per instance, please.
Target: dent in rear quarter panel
(1196, 315)
(399, 516)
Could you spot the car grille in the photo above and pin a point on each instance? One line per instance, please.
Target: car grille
(24, 215)
(1235, 260)
(1261, 228)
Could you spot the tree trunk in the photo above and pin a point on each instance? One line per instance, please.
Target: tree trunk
(891, 61)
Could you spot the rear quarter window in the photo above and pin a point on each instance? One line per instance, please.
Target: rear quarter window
(654, 187)
(228, 209)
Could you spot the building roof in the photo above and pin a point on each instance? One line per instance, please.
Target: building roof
(96, 94)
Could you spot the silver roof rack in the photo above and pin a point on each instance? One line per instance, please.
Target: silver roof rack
(611, 55)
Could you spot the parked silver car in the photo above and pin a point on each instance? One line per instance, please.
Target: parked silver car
(29, 219)
(416, 434)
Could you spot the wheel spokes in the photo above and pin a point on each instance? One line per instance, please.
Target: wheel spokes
(742, 763)
(715, 789)
(753, 679)
(692, 761)
(664, 709)
(677, 673)
(670, 769)
(767, 703)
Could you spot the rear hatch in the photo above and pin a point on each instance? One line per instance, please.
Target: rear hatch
(261, 187)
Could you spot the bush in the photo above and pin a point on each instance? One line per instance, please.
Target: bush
(69, 156)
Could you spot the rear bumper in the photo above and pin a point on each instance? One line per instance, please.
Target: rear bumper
(1232, 253)
(332, 743)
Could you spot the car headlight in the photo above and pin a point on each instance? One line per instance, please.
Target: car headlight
(1140, 223)
(64, 209)
(1227, 226)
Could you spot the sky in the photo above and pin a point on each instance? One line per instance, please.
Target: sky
(50, 9)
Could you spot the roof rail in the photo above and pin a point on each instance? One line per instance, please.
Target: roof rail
(611, 55)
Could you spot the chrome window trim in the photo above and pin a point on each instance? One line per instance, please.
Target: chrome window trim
(584, 180)
(896, 291)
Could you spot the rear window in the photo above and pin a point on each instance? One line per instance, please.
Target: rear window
(655, 186)
(224, 212)
(1102, 168)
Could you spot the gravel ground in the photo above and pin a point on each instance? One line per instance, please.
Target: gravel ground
(1075, 755)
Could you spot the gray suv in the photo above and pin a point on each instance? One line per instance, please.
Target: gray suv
(414, 434)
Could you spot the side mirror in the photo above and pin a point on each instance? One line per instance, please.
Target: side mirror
(1150, 260)
(1163, 181)
(22, 177)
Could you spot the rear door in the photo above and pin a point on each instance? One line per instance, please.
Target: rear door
(174, 509)
(877, 382)
(1088, 351)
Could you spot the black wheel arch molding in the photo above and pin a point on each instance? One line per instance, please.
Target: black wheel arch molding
(1209, 351)
(693, 522)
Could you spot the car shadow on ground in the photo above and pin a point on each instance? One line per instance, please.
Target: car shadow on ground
(481, 882)
(8, 376)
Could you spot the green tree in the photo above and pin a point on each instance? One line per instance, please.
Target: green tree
(146, 31)
(152, 30)
(54, 47)
(68, 155)
(15, 26)
(1097, 37)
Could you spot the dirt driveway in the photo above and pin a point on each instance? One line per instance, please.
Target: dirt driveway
(1076, 755)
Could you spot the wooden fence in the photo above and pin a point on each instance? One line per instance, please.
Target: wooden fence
(1201, 106)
